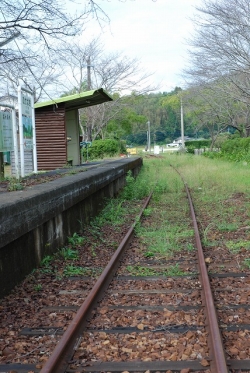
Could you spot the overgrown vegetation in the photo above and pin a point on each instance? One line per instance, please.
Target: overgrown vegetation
(114, 214)
(165, 230)
(75, 240)
(136, 188)
(103, 148)
(197, 144)
(14, 184)
(234, 150)
(68, 254)
(235, 247)
(71, 270)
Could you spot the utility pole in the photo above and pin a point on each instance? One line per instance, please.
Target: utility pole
(182, 127)
(88, 74)
(89, 112)
(149, 140)
(1, 166)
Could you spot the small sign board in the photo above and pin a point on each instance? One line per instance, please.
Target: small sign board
(156, 149)
(132, 151)
(27, 131)
(26, 105)
(27, 121)
(6, 131)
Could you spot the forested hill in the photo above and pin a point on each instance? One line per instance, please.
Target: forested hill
(162, 110)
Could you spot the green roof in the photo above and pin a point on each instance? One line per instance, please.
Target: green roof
(79, 100)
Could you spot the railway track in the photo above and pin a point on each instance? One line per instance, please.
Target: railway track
(187, 311)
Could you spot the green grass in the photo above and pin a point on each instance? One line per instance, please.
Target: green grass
(246, 263)
(148, 211)
(172, 270)
(116, 210)
(235, 247)
(38, 287)
(190, 247)
(71, 270)
(175, 270)
(68, 254)
(164, 230)
(227, 227)
(213, 184)
(142, 271)
(136, 188)
(216, 178)
(76, 240)
(164, 239)
(113, 213)
(46, 261)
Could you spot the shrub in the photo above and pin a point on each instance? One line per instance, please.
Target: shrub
(221, 138)
(196, 144)
(102, 148)
(136, 188)
(236, 149)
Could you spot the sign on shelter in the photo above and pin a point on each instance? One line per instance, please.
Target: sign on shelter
(27, 121)
(6, 131)
(27, 135)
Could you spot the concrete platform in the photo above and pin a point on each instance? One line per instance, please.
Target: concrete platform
(36, 222)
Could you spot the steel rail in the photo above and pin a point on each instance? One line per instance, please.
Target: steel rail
(63, 352)
(218, 362)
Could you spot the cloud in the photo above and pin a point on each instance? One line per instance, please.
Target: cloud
(154, 32)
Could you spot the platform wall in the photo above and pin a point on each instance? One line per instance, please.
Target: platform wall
(36, 222)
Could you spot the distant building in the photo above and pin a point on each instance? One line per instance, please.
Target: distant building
(179, 141)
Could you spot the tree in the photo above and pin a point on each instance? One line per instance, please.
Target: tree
(172, 105)
(123, 123)
(39, 73)
(220, 60)
(75, 60)
(30, 31)
(117, 74)
(211, 107)
(220, 45)
(43, 20)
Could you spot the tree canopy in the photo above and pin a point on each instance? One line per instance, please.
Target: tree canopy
(218, 69)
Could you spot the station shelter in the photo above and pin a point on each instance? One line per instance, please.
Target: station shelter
(57, 128)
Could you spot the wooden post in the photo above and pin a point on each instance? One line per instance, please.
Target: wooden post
(1, 166)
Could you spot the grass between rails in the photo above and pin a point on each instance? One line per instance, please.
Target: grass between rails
(172, 270)
(65, 262)
(220, 190)
(168, 228)
(221, 196)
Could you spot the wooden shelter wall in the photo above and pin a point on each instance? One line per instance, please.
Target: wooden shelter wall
(51, 138)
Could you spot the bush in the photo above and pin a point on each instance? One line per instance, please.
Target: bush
(236, 149)
(221, 138)
(104, 148)
(212, 155)
(196, 144)
(136, 188)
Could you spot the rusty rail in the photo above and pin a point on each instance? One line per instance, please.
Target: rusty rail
(63, 352)
(218, 361)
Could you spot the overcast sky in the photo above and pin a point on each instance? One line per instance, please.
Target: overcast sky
(153, 31)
